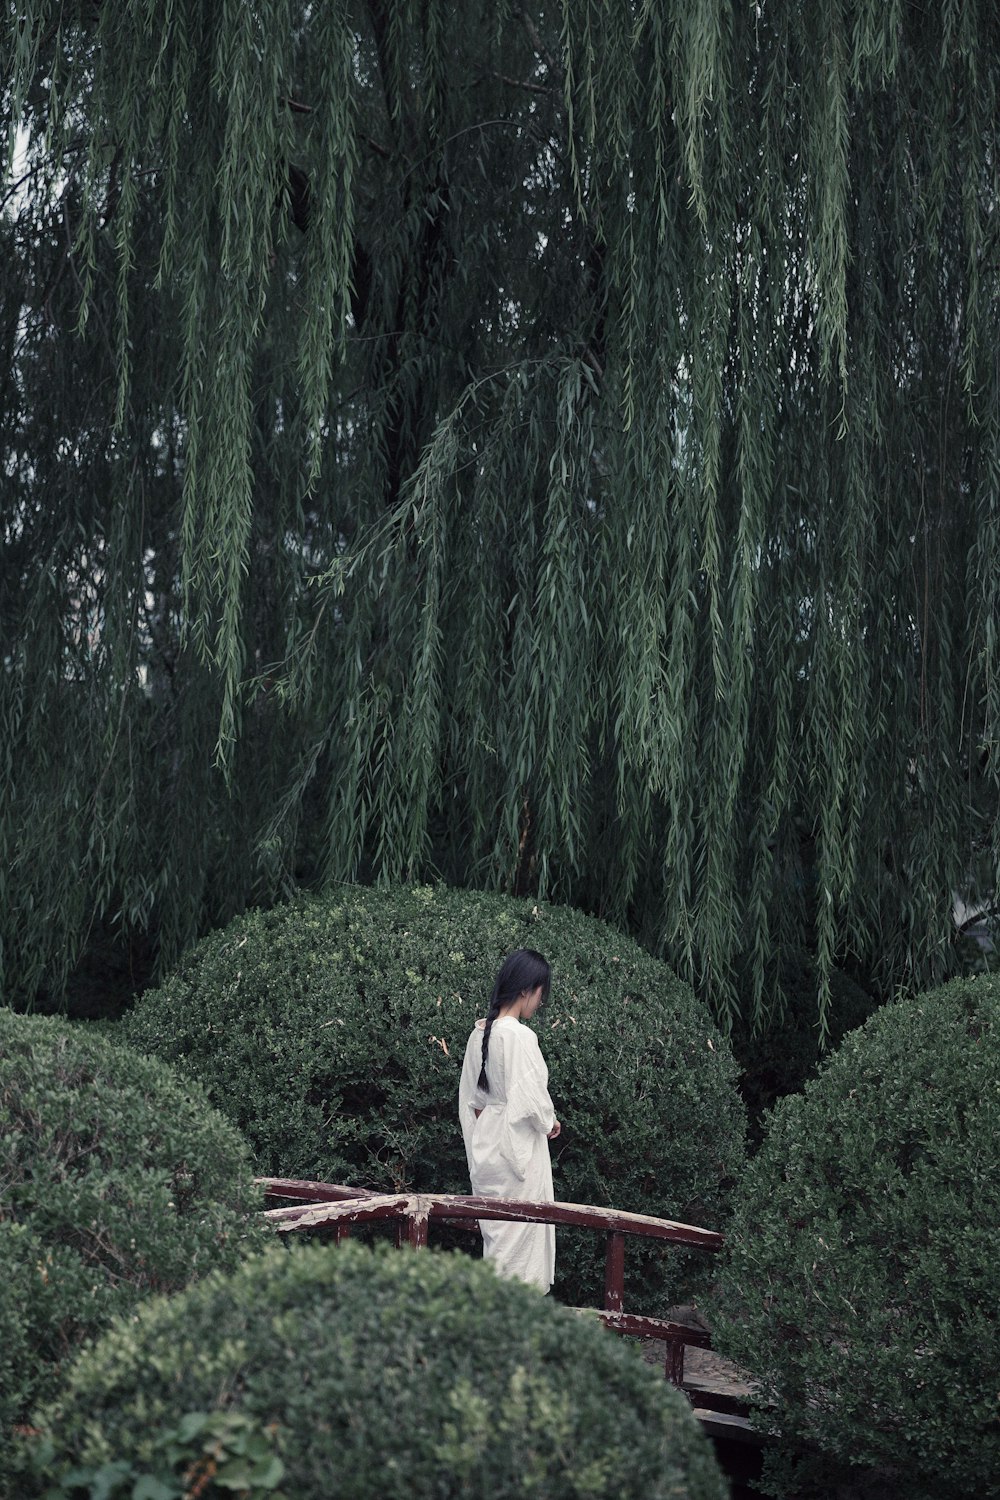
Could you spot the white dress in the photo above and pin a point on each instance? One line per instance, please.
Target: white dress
(507, 1145)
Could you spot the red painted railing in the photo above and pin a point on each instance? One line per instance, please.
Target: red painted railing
(333, 1207)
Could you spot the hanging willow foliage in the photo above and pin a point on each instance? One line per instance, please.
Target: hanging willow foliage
(555, 447)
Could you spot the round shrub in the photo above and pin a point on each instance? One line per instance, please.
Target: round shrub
(117, 1179)
(383, 1372)
(861, 1283)
(332, 1032)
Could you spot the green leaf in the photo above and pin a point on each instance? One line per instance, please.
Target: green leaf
(236, 1474)
(108, 1478)
(151, 1488)
(268, 1473)
(191, 1425)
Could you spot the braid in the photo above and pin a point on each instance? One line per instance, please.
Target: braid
(491, 1016)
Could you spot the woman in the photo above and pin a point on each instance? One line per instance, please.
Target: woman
(508, 1119)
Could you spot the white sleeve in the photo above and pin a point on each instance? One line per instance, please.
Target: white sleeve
(528, 1100)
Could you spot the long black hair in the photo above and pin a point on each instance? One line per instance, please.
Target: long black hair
(522, 970)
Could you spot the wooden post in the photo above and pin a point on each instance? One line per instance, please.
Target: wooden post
(614, 1272)
(674, 1369)
(416, 1229)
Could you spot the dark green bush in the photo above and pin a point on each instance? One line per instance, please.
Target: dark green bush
(116, 1179)
(332, 1032)
(22, 1293)
(861, 1284)
(376, 1373)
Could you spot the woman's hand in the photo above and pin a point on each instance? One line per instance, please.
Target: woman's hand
(554, 1131)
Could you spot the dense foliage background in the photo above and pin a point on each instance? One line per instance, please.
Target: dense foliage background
(551, 446)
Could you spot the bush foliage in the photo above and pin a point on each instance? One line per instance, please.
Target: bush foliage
(332, 1032)
(374, 1373)
(861, 1285)
(116, 1180)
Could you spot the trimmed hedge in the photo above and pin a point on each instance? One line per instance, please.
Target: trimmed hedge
(332, 1033)
(370, 1373)
(861, 1287)
(116, 1180)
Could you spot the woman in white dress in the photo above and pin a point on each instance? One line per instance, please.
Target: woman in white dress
(508, 1119)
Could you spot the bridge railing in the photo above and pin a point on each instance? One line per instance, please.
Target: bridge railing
(334, 1208)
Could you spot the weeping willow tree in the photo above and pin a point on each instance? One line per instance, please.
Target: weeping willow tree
(552, 447)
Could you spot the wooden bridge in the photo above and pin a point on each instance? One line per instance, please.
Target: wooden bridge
(335, 1208)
